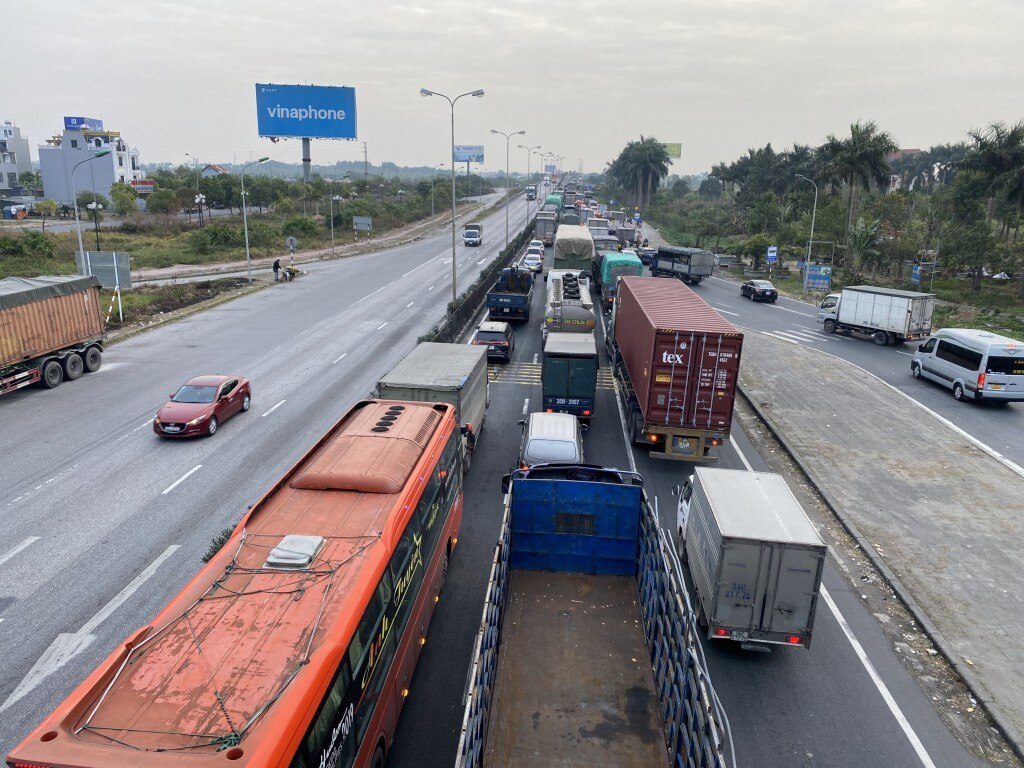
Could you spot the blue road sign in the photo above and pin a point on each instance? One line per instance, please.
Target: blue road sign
(915, 274)
(819, 277)
(306, 111)
(773, 254)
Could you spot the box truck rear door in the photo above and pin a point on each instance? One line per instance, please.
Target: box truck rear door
(796, 574)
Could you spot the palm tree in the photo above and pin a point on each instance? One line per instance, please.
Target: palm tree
(998, 155)
(640, 166)
(860, 159)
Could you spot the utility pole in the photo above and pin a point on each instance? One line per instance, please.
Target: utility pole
(366, 173)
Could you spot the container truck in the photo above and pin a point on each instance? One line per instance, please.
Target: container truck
(509, 297)
(755, 559)
(613, 266)
(473, 234)
(51, 329)
(588, 651)
(887, 315)
(574, 248)
(569, 374)
(691, 265)
(531, 191)
(444, 373)
(545, 226)
(677, 361)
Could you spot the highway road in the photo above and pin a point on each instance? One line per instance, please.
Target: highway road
(103, 523)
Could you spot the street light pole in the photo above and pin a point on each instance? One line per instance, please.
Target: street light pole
(245, 218)
(479, 92)
(529, 154)
(96, 208)
(814, 211)
(74, 196)
(195, 167)
(507, 137)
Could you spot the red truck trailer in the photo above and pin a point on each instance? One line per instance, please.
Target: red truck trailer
(51, 329)
(678, 363)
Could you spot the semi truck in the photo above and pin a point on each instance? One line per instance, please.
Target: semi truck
(613, 266)
(691, 265)
(51, 329)
(444, 373)
(588, 650)
(574, 248)
(755, 558)
(531, 191)
(887, 315)
(509, 297)
(473, 234)
(677, 362)
(569, 374)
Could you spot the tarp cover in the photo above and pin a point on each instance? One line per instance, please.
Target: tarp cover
(16, 291)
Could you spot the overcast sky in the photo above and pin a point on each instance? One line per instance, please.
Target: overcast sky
(582, 78)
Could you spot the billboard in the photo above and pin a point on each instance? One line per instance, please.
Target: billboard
(550, 168)
(469, 153)
(82, 124)
(306, 111)
(675, 151)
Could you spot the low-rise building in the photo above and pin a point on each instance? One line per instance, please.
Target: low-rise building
(81, 140)
(14, 157)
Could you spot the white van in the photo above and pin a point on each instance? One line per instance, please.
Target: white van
(976, 365)
(551, 438)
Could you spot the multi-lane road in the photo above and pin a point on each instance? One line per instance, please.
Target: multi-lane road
(103, 523)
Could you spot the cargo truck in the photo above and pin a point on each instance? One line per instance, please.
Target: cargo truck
(531, 191)
(613, 266)
(588, 651)
(755, 559)
(509, 297)
(691, 265)
(544, 227)
(569, 374)
(887, 315)
(574, 248)
(51, 329)
(677, 361)
(473, 234)
(444, 373)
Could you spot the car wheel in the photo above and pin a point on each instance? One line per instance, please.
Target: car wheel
(958, 392)
(211, 428)
(915, 370)
(51, 375)
(93, 359)
(881, 338)
(378, 759)
(774, 300)
(830, 326)
(73, 367)
(246, 402)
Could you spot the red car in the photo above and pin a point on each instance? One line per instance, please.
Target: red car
(201, 405)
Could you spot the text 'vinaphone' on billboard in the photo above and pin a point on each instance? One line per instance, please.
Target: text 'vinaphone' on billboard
(306, 111)
(469, 153)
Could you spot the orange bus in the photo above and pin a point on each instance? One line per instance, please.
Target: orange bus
(296, 644)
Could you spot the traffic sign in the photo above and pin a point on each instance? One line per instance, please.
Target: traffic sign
(773, 254)
(292, 244)
(636, 217)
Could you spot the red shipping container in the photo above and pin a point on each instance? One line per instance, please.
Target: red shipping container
(683, 358)
(40, 315)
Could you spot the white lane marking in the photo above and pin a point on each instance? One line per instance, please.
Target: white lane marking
(430, 288)
(535, 355)
(382, 325)
(278, 405)
(526, 405)
(181, 479)
(792, 336)
(313, 327)
(901, 719)
(908, 354)
(19, 548)
(794, 311)
(727, 312)
(622, 410)
(68, 645)
(340, 357)
(725, 305)
(409, 304)
(780, 338)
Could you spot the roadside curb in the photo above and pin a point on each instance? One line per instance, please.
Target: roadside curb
(974, 685)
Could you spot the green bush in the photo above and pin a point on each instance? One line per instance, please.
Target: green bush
(300, 226)
(36, 244)
(10, 246)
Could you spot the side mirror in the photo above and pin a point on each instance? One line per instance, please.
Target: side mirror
(920, 347)
(506, 483)
(584, 427)
(171, 396)
(463, 430)
(521, 422)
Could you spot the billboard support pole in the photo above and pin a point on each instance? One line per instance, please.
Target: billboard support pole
(306, 159)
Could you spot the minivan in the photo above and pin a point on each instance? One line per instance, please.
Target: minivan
(976, 365)
(551, 438)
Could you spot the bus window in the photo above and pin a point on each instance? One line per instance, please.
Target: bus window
(407, 571)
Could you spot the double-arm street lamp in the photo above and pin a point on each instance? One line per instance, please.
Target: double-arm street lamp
(74, 197)
(245, 218)
(479, 92)
(810, 240)
(529, 153)
(507, 137)
(96, 208)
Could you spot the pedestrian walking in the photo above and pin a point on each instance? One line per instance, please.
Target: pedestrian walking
(277, 268)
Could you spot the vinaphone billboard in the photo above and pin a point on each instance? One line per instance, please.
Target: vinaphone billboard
(306, 111)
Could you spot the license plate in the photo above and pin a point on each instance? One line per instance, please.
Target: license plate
(995, 386)
(492, 349)
(740, 636)
(172, 428)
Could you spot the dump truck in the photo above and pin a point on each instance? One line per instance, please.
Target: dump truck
(755, 558)
(473, 234)
(887, 315)
(444, 373)
(569, 374)
(588, 650)
(574, 248)
(613, 266)
(677, 361)
(691, 265)
(509, 297)
(51, 329)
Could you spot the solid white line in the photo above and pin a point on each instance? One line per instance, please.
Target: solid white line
(342, 356)
(901, 719)
(535, 355)
(119, 599)
(794, 311)
(622, 410)
(22, 546)
(430, 288)
(526, 405)
(382, 325)
(177, 482)
(278, 405)
(148, 423)
(409, 304)
(727, 312)
(780, 338)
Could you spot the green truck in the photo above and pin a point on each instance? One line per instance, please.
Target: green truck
(613, 266)
(569, 374)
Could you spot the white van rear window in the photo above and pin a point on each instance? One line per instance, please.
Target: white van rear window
(1011, 366)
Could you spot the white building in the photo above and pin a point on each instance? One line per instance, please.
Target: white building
(61, 154)
(14, 156)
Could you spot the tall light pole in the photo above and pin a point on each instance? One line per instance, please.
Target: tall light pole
(245, 218)
(74, 195)
(529, 154)
(479, 92)
(433, 176)
(814, 211)
(507, 137)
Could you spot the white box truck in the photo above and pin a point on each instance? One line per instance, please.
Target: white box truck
(887, 315)
(754, 556)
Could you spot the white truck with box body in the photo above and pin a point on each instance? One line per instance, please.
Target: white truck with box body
(887, 315)
(754, 556)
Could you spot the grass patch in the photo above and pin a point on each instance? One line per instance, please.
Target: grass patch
(149, 302)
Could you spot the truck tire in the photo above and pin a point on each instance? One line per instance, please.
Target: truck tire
(73, 366)
(93, 359)
(830, 326)
(51, 374)
(881, 338)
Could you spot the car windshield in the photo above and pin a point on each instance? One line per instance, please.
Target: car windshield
(490, 336)
(763, 284)
(551, 450)
(190, 393)
(534, 257)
